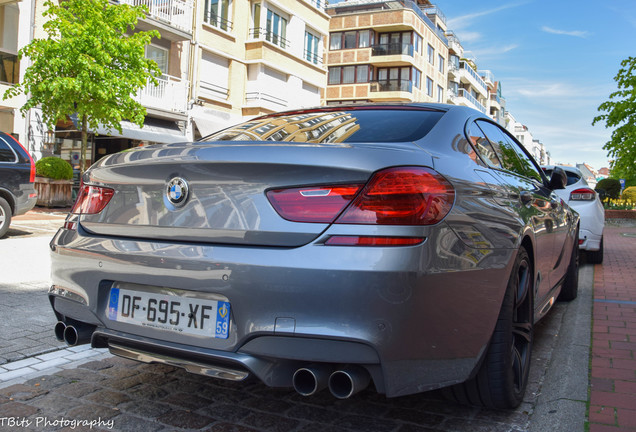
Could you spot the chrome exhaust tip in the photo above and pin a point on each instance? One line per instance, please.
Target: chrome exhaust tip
(310, 380)
(59, 328)
(78, 334)
(348, 381)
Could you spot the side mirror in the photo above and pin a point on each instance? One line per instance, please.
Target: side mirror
(558, 180)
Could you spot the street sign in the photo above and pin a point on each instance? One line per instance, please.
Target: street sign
(622, 183)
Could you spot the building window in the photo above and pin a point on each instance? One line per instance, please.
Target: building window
(440, 63)
(159, 55)
(349, 74)
(429, 87)
(440, 94)
(350, 39)
(276, 30)
(417, 78)
(217, 13)
(312, 43)
(394, 79)
(417, 42)
(431, 54)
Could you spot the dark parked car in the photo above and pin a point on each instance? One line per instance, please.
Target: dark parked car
(413, 246)
(17, 175)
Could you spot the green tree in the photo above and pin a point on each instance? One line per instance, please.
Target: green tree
(91, 64)
(620, 114)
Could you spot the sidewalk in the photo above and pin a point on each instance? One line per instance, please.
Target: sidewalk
(613, 371)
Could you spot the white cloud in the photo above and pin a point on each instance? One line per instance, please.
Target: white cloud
(465, 20)
(576, 33)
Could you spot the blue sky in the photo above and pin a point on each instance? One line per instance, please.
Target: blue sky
(556, 61)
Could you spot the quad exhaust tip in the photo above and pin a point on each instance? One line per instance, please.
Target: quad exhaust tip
(343, 383)
(73, 334)
(348, 381)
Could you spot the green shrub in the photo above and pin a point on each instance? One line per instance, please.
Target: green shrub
(54, 168)
(629, 194)
(612, 187)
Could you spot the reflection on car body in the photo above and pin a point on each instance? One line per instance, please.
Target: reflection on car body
(404, 245)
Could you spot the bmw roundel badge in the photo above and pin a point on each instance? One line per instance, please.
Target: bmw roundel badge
(177, 191)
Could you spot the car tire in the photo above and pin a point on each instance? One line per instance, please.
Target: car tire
(570, 288)
(5, 217)
(596, 257)
(503, 375)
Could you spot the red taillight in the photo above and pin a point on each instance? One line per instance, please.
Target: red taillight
(32, 175)
(395, 196)
(92, 199)
(582, 194)
(402, 196)
(312, 204)
(373, 241)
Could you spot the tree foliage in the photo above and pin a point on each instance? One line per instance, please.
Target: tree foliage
(610, 186)
(620, 114)
(91, 64)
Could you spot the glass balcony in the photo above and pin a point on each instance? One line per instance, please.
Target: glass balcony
(392, 85)
(462, 93)
(9, 68)
(269, 36)
(392, 49)
(464, 65)
(434, 10)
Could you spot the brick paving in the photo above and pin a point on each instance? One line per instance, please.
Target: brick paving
(613, 367)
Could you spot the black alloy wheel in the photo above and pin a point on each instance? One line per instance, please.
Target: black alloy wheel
(570, 287)
(5, 217)
(503, 376)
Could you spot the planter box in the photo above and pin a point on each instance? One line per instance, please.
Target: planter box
(54, 193)
(620, 214)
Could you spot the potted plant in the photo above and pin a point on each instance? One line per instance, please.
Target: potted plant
(54, 182)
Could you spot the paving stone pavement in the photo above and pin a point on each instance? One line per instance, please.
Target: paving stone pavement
(83, 389)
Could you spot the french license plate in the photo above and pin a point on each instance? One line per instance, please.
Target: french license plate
(193, 316)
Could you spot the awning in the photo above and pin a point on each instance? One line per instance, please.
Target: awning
(209, 121)
(154, 130)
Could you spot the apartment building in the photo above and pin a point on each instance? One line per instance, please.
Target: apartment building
(14, 34)
(466, 86)
(390, 50)
(258, 57)
(495, 104)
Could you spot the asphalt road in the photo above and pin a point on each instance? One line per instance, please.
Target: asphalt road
(85, 385)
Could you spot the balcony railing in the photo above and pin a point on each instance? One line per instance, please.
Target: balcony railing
(177, 13)
(466, 95)
(318, 4)
(169, 94)
(392, 49)
(9, 68)
(355, 7)
(434, 10)
(488, 76)
(464, 65)
(392, 85)
(217, 21)
(269, 36)
(312, 57)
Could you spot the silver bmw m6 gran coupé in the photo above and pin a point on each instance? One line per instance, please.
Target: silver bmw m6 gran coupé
(407, 246)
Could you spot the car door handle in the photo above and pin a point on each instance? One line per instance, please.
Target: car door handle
(526, 197)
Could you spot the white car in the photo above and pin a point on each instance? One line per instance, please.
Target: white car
(581, 197)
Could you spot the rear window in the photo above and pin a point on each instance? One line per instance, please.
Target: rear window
(336, 126)
(6, 154)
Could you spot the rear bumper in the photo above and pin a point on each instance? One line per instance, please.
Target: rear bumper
(405, 314)
(591, 241)
(26, 201)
